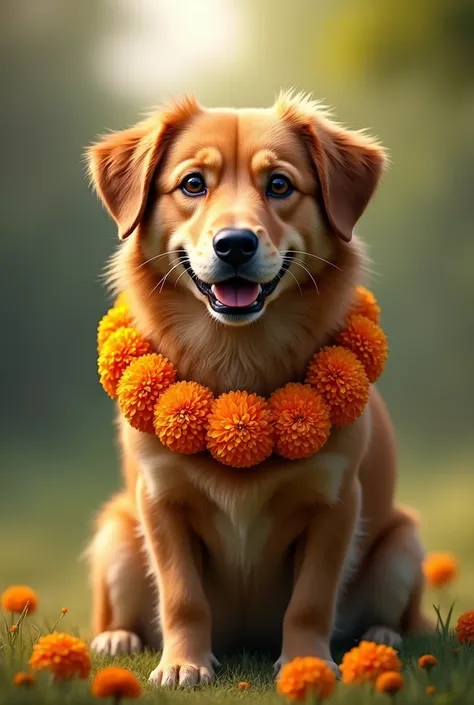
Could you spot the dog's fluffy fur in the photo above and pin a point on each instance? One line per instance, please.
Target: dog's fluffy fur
(192, 556)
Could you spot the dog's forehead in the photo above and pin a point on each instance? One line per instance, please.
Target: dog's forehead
(238, 135)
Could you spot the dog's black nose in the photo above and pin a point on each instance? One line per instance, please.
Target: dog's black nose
(235, 246)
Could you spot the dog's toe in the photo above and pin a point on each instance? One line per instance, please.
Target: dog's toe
(118, 642)
(383, 635)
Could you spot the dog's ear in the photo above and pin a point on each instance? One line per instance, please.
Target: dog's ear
(349, 164)
(122, 164)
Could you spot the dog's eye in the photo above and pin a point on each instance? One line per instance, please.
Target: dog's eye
(279, 186)
(193, 185)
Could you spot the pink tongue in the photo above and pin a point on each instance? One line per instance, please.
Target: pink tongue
(240, 295)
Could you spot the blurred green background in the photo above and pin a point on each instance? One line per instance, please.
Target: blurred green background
(72, 70)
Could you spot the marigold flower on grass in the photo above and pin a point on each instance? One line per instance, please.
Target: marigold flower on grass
(430, 690)
(465, 628)
(24, 679)
(243, 685)
(115, 318)
(427, 662)
(181, 417)
(65, 656)
(301, 421)
(140, 387)
(116, 682)
(368, 343)
(16, 597)
(304, 677)
(240, 431)
(365, 304)
(440, 569)
(13, 628)
(366, 662)
(390, 682)
(121, 348)
(340, 378)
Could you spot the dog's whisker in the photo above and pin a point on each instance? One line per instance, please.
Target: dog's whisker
(296, 280)
(183, 272)
(152, 259)
(163, 279)
(296, 261)
(301, 252)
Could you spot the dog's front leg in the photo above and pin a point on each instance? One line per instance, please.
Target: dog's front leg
(320, 556)
(184, 612)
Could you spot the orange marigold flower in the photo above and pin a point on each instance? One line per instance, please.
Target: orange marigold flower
(64, 610)
(366, 662)
(304, 677)
(16, 597)
(116, 682)
(340, 378)
(365, 304)
(368, 343)
(115, 318)
(13, 628)
(243, 685)
(140, 387)
(390, 682)
(430, 690)
(24, 679)
(240, 431)
(465, 628)
(121, 348)
(301, 421)
(181, 417)
(440, 568)
(427, 662)
(64, 655)
(121, 300)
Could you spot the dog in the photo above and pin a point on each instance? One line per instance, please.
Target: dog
(239, 261)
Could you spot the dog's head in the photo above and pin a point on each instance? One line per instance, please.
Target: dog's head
(237, 206)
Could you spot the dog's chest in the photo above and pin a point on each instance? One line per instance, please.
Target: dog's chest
(242, 535)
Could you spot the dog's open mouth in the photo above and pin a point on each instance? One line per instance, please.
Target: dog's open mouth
(238, 296)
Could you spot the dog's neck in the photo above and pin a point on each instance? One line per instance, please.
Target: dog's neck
(259, 357)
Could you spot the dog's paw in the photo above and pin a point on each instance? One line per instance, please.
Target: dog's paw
(117, 642)
(383, 635)
(183, 675)
(278, 665)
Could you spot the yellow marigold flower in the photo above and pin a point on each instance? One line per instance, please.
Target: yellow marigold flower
(62, 654)
(465, 628)
(243, 685)
(368, 343)
(427, 662)
(390, 682)
(116, 682)
(121, 348)
(23, 679)
(240, 430)
(366, 662)
(140, 387)
(121, 300)
(304, 677)
(115, 318)
(181, 417)
(16, 597)
(430, 690)
(365, 304)
(301, 421)
(440, 568)
(340, 378)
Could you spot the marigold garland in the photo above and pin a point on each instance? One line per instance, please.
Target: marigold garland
(64, 655)
(301, 419)
(306, 677)
(366, 662)
(238, 428)
(181, 417)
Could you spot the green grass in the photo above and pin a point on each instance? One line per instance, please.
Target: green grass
(453, 676)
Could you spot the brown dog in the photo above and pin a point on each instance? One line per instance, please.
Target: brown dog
(239, 260)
